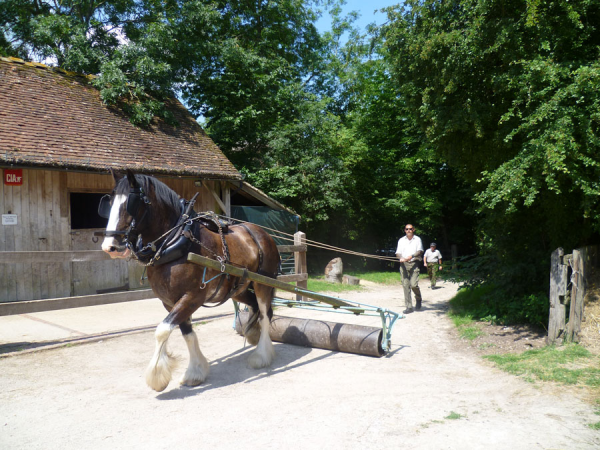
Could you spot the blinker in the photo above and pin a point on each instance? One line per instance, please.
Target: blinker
(104, 207)
(134, 201)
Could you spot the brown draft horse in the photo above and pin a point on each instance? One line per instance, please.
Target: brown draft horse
(148, 221)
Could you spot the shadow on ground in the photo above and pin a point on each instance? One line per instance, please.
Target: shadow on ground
(233, 368)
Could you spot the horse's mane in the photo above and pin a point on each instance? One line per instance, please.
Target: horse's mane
(164, 194)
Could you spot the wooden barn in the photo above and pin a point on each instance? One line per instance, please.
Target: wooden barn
(58, 143)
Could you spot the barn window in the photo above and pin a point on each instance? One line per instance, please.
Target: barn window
(84, 211)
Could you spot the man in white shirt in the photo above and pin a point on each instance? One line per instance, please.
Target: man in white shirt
(410, 252)
(433, 261)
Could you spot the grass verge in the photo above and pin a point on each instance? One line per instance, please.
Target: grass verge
(387, 278)
(569, 364)
(318, 284)
(471, 302)
(467, 328)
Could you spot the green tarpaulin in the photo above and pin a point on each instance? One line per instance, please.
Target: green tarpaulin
(282, 221)
(263, 215)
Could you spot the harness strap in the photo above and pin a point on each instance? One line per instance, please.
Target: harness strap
(215, 293)
(260, 270)
(232, 291)
(260, 251)
(205, 282)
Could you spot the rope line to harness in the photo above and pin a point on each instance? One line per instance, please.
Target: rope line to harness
(283, 235)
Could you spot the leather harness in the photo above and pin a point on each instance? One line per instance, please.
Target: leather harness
(177, 242)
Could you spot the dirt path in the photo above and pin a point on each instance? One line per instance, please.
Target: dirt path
(94, 396)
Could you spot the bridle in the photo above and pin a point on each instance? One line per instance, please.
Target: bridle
(129, 237)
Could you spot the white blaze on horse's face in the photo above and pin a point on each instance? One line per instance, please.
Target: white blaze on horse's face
(110, 245)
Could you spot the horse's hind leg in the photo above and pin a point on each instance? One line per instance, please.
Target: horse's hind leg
(252, 329)
(162, 363)
(264, 353)
(198, 368)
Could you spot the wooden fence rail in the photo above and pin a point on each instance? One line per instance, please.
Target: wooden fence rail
(51, 304)
(579, 266)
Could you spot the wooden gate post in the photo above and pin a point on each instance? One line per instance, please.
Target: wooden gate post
(558, 290)
(578, 280)
(300, 261)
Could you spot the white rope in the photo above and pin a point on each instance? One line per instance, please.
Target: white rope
(283, 235)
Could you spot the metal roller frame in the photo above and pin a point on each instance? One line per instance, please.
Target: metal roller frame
(321, 302)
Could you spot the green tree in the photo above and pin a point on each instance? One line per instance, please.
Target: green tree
(506, 91)
(394, 176)
(228, 59)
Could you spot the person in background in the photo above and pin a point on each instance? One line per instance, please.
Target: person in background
(433, 261)
(410, 252)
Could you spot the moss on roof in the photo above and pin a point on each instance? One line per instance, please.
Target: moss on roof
(50, 117)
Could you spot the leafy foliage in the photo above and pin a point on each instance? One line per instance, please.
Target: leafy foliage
(506, 92)
(222, 56)
(489, 302)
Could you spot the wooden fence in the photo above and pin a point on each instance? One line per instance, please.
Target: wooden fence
(569, 279)
(24, 307)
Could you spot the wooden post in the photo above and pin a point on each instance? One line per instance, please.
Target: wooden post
(558, 290)
(578, 290)
(300, 262)
(226, 194)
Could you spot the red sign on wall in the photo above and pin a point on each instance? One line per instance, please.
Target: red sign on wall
(13, 177)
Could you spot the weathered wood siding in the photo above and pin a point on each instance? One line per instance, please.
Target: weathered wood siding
(42, 205)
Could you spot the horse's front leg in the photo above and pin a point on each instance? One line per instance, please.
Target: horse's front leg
(158, 373)
(198, 368)
(160, 369)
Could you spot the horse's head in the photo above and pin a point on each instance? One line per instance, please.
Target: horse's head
(126, 209)
(139, 210)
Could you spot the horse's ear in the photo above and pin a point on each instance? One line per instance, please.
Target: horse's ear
(131, 178)
(116, 176)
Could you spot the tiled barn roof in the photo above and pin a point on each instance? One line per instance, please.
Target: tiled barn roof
(53, 118)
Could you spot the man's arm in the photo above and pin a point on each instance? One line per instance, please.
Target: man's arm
(417, 254)
(399, 250)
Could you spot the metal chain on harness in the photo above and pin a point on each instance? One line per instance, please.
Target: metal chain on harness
(222, 259)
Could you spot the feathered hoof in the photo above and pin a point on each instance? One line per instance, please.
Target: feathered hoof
(195, 375)
(260, 359)
(158, 375)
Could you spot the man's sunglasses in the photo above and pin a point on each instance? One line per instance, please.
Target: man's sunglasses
(408, 229)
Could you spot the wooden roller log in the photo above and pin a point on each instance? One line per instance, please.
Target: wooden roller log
(340, 337)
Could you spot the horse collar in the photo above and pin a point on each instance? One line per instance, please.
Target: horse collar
(175, 242)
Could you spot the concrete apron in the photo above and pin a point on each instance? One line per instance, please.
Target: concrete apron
(34, 331)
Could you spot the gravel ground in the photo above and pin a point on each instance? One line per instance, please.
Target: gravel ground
(429, 392)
